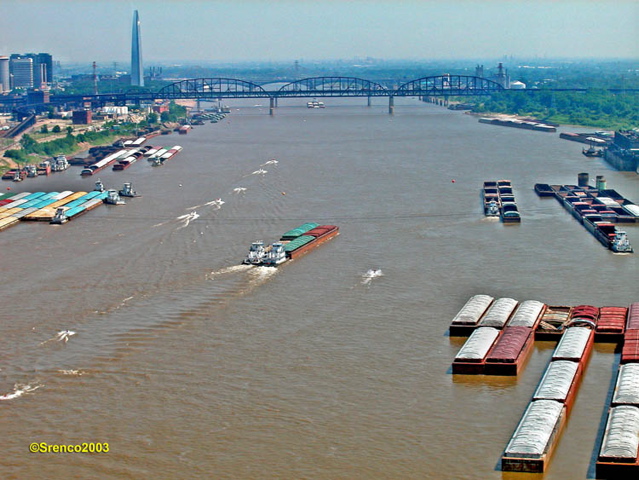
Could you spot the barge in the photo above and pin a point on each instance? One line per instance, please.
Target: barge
(618, 456)
(292, 244)
(611, 324)
(598, 209)
(509, 354)
(466, 320)
(514, 347)
(471, 358)
(499, 201)
(516, 123)
(535, 437)
(537, 434)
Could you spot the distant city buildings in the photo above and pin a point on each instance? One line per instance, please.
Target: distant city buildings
(5, 78)
(137, 71)
(28, 70)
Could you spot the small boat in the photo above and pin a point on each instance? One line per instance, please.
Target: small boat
(591, 151)
(99, 186)
(127, 191)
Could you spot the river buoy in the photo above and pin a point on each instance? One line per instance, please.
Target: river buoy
(453, 180)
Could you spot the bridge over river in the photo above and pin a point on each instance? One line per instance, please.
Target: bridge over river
(214, 89)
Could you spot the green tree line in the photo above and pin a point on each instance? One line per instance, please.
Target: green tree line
(596, 108)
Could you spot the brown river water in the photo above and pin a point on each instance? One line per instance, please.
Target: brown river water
(190, 365)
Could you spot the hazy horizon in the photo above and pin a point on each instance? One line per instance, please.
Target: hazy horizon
(252, 31)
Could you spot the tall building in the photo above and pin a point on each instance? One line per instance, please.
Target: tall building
(5, 85)
(21, 69)
(137, 71)
(41, 70)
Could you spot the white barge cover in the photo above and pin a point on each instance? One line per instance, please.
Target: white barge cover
(610, 202)
(572, 344)
(557, 380)
(535, 430)
(478, 344)
(526, 314)
(498, 313)
(621, 440)
(473, 310)
(627, 388)
(632, 209)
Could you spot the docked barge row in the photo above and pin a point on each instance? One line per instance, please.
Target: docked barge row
(598, 209)
(501, 336)
(292, 244)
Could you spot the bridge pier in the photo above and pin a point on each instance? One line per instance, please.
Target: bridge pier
(271, 108)
(391, 105)
(369, 101)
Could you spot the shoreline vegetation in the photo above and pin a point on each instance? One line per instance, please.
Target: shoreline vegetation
(595, 108)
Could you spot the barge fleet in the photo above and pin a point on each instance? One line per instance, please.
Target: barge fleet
(598, 209)
(501, 335)
(499, 201)
(292, 244)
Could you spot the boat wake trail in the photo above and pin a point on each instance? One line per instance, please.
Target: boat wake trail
(367, 277)
(18, 391)
(270, 162)
(233, 269)
(239, 190)
(218, 202)
(260, 275)
(188, 218)
(62, 336)
(261, 171)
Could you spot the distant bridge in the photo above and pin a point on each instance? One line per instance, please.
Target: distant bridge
(214, 89)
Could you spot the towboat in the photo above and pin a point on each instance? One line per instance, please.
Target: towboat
(127, 191)
(113, 198)
(59, 218)
(275, 255)
(620, 243)
(99, 186)
(256, 254)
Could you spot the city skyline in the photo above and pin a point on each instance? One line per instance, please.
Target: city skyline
(256, 30)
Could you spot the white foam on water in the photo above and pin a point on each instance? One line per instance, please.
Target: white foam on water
(261, 171)
(232, 269)
(188, 218)
(18, 391)
(270, 162)
(260, 275)
(62, 336)
(367, 277)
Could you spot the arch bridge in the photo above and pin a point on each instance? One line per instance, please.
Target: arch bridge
(326, 86)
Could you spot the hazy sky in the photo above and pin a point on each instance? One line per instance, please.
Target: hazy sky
(285, 30)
